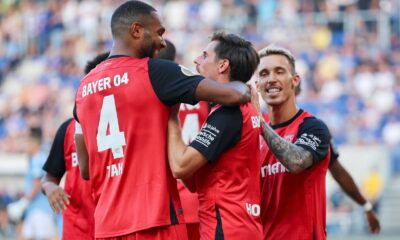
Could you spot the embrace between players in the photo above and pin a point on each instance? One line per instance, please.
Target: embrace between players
(131, 148)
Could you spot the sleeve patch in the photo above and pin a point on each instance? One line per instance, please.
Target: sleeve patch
(207, 135)
(309, 140)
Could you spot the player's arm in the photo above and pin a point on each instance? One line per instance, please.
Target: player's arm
(343, 177)
(293, 157)
(229, 94)
(296, 157)
(176, 84)
(221, 131)
(57, 197)
(83, 156)
(183, 160)
(311, 145)
(346, 182)
(55, 169)
(81, 151)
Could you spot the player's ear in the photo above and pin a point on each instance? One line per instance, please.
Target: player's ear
(136, 30)
(223, 65)
(296, 80)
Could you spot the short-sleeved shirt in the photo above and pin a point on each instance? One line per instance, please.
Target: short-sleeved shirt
(78, 218)
(123, 107)
(228, 186)
(294, 204)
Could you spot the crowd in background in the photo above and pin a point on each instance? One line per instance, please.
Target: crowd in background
(350, 69)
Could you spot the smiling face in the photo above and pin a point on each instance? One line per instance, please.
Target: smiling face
(153, 41)
(277, 81)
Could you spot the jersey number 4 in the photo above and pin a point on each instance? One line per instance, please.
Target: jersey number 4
(112, 139)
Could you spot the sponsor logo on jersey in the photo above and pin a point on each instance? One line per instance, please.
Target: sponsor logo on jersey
(253, 209)
(272, 169)
(104, 83)
(207, 134)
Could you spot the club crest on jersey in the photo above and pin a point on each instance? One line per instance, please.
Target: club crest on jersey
(186, 71)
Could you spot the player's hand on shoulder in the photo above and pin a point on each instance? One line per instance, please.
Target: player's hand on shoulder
(57, 197)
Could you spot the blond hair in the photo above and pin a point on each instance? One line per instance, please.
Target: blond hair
(273, 49)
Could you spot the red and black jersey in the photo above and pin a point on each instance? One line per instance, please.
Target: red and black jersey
(123, 108)
(293, 206)
(332, 146)
(78, 220)
(228, 187)
(191, 118)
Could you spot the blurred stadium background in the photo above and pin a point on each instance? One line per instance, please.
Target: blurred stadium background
(348, 54)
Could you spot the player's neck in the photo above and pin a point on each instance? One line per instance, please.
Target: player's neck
(123, 48)
(222, 78)
(282, 113)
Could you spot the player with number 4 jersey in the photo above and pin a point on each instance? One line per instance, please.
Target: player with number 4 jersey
(123, 107)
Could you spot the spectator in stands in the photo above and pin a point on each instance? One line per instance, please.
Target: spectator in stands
(7, 230)
(33, 203)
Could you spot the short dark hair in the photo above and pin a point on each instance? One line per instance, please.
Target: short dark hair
(169, 52)
(243, 58)
(128, 13)
(96, 60)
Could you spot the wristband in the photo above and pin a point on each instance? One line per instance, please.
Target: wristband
(367, 206)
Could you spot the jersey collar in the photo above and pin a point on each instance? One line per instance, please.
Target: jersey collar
(287, 123)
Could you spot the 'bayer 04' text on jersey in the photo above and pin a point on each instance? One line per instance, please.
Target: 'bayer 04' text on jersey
(191, 118)
(123, 108)
(294, 204)
(78, 221)
(228, 186)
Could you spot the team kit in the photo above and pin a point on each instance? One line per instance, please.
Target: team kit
(155, 151)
